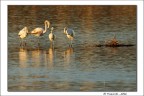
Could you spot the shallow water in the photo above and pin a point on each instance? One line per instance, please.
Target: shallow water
(84, 67)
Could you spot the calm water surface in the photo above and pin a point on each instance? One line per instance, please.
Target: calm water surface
(84, 67)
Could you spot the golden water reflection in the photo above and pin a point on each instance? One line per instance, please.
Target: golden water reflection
(36, 55)
(50, 56)
(23, 63)
(73, 69)
(68, 57)
(23, 58)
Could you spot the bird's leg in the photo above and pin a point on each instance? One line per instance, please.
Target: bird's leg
(20, 42)
(25, 43)
(51, 44)
(71, 43)
(38, 41)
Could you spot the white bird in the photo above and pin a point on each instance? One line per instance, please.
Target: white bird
(70, 34)
(40, 31)
(22, 34)
(52, 36)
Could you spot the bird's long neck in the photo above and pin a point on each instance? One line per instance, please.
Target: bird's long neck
(65, 30)
(45, 28)
(51, 30)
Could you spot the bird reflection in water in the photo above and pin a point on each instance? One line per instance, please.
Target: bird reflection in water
(112, 51)
(50, 57)
(23, 58)
(68, 56)
(36, 54)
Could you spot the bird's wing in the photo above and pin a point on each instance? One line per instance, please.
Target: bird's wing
(22, 32)
(70, 32)
(37, 30)
(73, 33)
(54, 36)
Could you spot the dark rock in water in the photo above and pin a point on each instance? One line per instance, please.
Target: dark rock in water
(120, 45)
(117, 45)
(114, 43)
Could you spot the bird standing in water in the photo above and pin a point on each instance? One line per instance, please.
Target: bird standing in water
(70, 34)
(52, 36)
(22, 34)
(40, 31)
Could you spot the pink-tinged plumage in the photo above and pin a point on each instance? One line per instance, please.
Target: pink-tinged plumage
(23, 34)
(40, 31)
(37, 32)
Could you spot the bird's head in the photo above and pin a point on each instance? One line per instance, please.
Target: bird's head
(65, 29)
(52, 28)
(47, 23)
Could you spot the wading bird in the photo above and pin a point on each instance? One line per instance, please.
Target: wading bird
(70, 34)
(22, 34)
(52, 36)
(40, 31)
